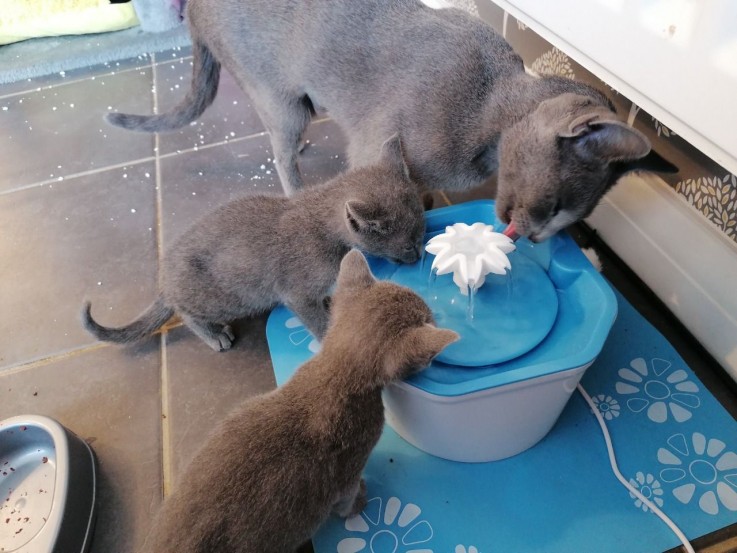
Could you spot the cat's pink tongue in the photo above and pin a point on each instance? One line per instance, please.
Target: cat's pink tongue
(511, 231)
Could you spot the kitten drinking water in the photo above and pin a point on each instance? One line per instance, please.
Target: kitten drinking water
(257, 251)
(273, 472)
(453, 88)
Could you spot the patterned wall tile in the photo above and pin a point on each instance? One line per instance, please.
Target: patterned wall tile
(706, 185)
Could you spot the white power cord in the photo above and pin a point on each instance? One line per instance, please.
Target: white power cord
(613, 461)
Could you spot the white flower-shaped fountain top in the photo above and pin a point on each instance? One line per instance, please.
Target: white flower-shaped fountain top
(470, 253)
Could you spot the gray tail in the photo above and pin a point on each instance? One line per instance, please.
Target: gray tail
(204, 87)
(145, 325)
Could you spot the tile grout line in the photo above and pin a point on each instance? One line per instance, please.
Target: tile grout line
(144, 160)
(72, 352)
(166, 469)
(139, 161)
(52, 358)
(445, 197)
(108, 74)
(77, 175)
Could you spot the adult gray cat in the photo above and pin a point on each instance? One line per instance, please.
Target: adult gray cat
(454, 89)
(257, 251)
(273, 472)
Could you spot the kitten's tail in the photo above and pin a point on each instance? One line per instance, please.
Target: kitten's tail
(150, 321)
(204, 87)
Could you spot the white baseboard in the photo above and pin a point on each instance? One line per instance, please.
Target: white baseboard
(690, 265)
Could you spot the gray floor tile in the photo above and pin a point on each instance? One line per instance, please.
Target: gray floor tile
(109, 397)
(60, 131)
(91, 237)
(204, 385)
(194, 183)
(230, 116)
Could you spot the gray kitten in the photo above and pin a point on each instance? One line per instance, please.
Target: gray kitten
(274, 471)
(257, 251)
(453, 88)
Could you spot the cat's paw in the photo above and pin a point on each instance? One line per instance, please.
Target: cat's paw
(221, 341)
(224, 340)
(359, 503)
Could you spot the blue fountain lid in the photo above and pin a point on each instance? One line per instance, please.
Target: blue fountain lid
(503, 319)
(583, 314)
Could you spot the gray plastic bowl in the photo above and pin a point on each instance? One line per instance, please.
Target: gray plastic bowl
(47, 487)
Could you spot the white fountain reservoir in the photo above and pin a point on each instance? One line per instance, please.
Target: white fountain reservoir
(532, 318)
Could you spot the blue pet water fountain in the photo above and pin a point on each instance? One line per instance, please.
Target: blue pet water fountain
(529, 330)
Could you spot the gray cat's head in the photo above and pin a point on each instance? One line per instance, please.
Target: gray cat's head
(558, 161)
(390, 326)
(386, 217)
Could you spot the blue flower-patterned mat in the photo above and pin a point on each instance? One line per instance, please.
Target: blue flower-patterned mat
(673, 441)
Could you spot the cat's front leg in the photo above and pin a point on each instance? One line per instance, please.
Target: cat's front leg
(353, 502)
(218, 336)
(313, 314)
(286, 119)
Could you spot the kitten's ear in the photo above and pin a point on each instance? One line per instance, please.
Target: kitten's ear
(391, 153)
(606, 139)
(354, 272)
(360, 217)
(418, 347)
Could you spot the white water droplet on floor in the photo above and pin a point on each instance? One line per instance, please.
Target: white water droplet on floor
(148, 175)
(133, 210)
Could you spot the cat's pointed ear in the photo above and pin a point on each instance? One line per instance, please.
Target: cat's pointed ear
(417, 348)
(354, 273)
(392, 154)
(361, 218)
(607, 140)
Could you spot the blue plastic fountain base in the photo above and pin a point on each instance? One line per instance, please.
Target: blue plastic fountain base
(534, 333)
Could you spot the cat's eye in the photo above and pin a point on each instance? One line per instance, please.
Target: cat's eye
(409, 248)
